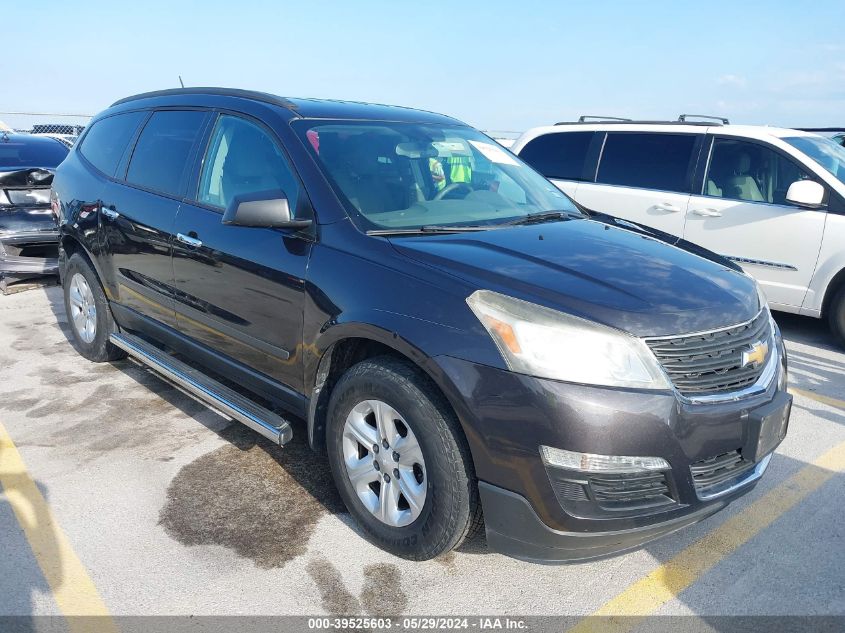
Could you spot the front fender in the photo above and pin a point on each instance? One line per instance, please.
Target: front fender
(321, 356)
(363, 289)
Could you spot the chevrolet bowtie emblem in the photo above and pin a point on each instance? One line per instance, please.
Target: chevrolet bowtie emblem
(756, 355)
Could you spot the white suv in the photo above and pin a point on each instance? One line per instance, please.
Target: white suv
(770, 199)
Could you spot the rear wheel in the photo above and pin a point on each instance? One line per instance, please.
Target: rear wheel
(88, 312)
(400, 460)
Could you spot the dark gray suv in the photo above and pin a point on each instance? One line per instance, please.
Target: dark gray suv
(456, 333)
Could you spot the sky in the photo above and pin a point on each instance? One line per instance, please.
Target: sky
(496, 65)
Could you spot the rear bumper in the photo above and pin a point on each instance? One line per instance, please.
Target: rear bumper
(28, 254)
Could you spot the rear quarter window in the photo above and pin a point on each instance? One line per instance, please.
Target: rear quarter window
(558, 155)
(105, 142)
(648, 161)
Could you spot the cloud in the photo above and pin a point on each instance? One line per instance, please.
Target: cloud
(736, 81)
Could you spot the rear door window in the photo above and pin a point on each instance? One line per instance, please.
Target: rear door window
(647, 160)
(558, 155)
(105, 142)
(160, 159)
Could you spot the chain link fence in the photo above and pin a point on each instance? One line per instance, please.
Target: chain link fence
(65, 127)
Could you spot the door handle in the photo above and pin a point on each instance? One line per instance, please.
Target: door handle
(707, 213)
(111, 214)
(190, 241)
(668, 207)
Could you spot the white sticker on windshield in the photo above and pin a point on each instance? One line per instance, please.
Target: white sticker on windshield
(493, 153)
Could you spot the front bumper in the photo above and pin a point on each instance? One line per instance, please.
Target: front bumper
(530, 515)
(514, 529)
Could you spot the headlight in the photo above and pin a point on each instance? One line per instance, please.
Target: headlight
(541, 342)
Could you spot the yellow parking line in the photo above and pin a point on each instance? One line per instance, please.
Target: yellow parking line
(812, 395)
(72, 587)
(648, 594)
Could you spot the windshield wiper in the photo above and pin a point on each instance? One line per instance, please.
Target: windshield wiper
(432, 229)
(543, 216)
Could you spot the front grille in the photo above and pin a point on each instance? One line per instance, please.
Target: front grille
(711, 362)
(708, 475)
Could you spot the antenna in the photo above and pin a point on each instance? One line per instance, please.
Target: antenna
(182, 83)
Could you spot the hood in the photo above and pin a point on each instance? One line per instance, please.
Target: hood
(612, 275)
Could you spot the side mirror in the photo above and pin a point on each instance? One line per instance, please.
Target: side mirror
(266, 209)
(806, 193)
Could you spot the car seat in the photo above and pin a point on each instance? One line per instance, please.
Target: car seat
(741, 185)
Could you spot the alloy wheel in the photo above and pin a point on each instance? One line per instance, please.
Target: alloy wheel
(83, 309)
(384, 463)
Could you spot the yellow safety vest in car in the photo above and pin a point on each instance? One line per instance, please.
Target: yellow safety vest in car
(460, 169)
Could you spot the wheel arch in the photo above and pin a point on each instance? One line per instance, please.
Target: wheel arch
(70, 246)
(346, 345)
(836, 283)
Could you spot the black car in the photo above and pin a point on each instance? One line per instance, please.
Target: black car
(29, 236)
(455, 332)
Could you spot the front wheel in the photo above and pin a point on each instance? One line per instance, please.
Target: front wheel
(400, 460)
(836, 315)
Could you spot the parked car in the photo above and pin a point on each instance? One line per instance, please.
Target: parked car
(770, 199)
(455, 333)
(29, 236)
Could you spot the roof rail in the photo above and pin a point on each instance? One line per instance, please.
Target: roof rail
(820, 129)
(722, 120)
(223, 92)
(583, 118)
(612, 120)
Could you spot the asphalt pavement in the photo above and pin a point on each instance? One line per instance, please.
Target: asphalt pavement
(123, 496)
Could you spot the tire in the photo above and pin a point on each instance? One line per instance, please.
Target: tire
(443, 484)
(88, 313)
(836, 315)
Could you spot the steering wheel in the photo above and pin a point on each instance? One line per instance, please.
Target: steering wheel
(453, 187)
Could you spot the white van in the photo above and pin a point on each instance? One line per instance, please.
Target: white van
(770, 199)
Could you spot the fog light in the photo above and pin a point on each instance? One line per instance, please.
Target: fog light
(588, 462)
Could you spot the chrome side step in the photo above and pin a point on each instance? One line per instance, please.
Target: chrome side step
(210, 392)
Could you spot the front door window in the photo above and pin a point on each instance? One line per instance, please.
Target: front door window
(749, 172)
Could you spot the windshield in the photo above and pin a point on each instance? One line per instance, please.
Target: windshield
(410, 175)
(824, 151)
